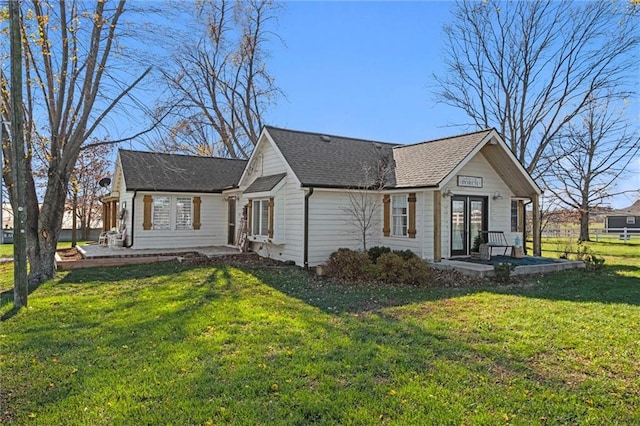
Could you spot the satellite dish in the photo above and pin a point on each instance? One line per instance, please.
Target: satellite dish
(104, 182)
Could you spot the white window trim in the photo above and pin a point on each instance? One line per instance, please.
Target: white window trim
(405, 200)
(173, 213)
(631, 220)
(263, 228)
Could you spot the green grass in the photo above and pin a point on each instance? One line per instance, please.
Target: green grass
(6, 269)
(170, 344)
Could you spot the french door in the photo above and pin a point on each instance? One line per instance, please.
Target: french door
(468, 216)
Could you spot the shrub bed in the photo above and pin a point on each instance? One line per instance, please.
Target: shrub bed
(379, 264)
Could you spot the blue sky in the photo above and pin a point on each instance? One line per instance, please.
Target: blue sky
(361, 69)
(364, 69)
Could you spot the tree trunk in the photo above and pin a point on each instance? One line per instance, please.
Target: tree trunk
(49, 223)
(74, 220)
(584, 225)
(33, 245)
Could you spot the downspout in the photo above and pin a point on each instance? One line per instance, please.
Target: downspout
(133, 215)
(305, 255)
(524, 225)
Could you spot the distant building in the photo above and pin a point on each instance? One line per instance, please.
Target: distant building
(67, 223)
(628, 217)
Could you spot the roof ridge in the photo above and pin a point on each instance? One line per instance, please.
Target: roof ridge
(180, 155)
(331, 135)
(489, 129)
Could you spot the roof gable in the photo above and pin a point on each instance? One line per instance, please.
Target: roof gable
(333, 161)
(147, 171)
(428, 164)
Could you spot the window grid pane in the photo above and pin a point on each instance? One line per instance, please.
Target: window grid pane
(260, 217)
(183, 213)
(399, 215)
(514, 216)
(161, 216)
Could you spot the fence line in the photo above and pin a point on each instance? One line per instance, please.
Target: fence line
(623, 234)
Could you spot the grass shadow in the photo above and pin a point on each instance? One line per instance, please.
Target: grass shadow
(335, 297)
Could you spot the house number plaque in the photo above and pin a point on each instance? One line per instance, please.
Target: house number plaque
(470, 181)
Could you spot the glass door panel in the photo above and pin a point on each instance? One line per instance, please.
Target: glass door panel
(458, 226)
(476, 218)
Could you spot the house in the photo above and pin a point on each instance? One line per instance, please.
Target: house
(629, 218)
(299, 190)
(170, 201)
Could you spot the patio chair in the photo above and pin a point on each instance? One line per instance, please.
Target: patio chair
(103, 239)
(118, 240)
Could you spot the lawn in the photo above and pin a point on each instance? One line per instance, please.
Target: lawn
(6, 269)
(172, 344)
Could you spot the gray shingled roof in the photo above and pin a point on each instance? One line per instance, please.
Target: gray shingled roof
(264, 183)
(338, 162)
(147, 171)
(428, 163)
(342, 162)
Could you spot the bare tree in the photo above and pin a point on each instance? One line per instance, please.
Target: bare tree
(530, 67)
(592, 156)
(219, 85)
(71, 85)
(363, 210)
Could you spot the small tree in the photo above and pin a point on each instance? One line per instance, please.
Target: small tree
(363, 210)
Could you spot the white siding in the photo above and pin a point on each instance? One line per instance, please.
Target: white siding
(425, 225)
(331, 226)
(213, 219)
(287, 242)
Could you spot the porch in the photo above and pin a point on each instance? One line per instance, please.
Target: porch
(528, 265)
(94, 255)
(97, 251)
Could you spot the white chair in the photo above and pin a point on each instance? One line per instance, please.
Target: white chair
(117, 240)
(103, 239)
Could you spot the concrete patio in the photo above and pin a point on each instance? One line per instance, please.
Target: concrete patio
(479, 270)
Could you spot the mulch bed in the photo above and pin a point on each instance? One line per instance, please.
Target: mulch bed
(69, 254)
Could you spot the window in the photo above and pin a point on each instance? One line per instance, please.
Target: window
(399, 215)
(515, 216)
(631, 220)
(183, 213)
(165, 213)
(260, 217)
(161, 215)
